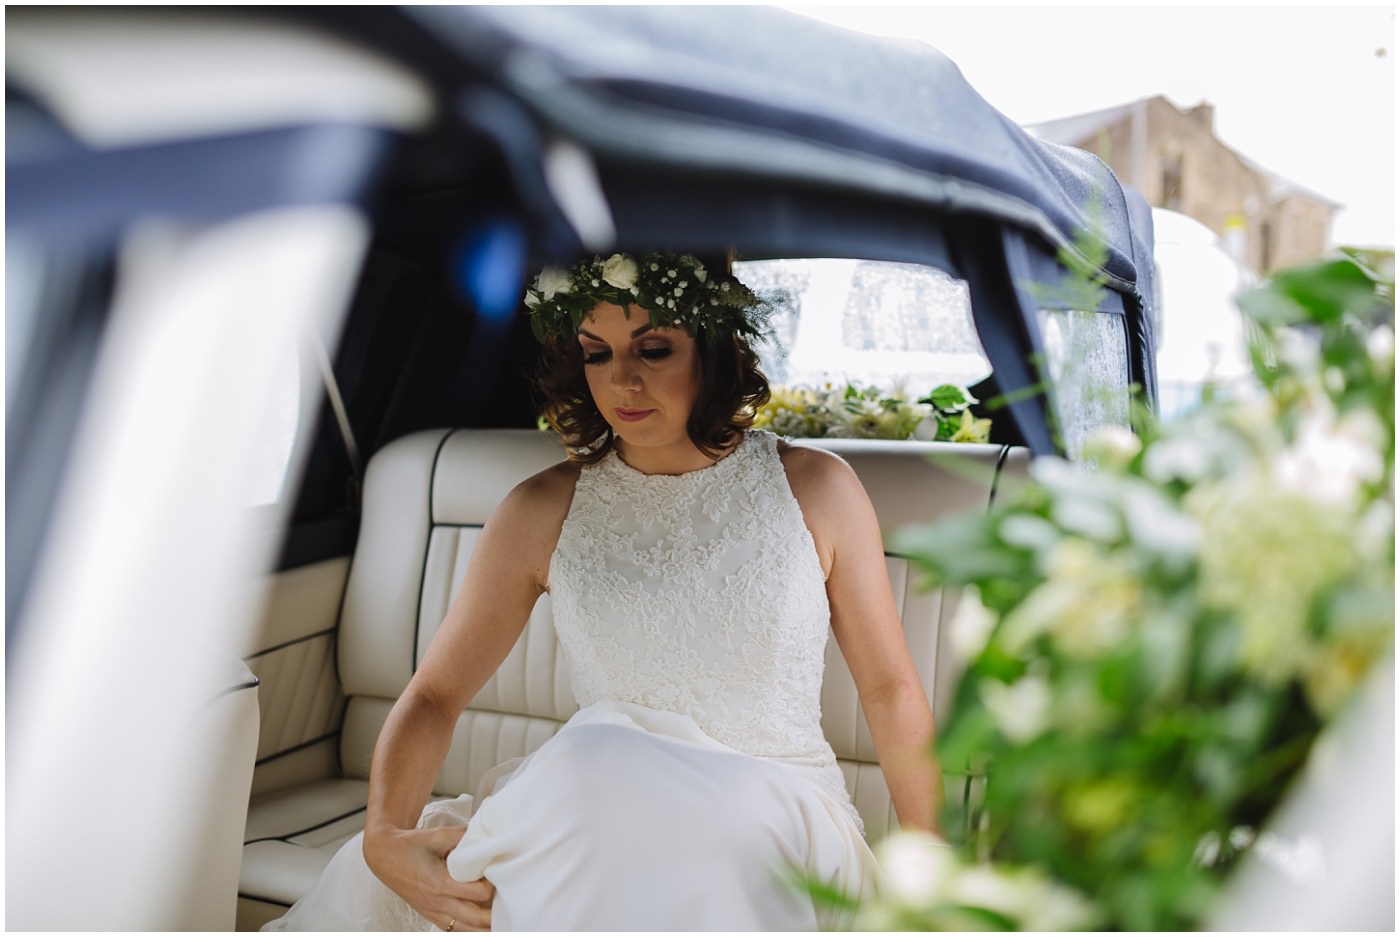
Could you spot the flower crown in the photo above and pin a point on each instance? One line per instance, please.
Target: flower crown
(675, 289)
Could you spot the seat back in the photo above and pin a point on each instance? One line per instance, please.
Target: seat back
(426, 498)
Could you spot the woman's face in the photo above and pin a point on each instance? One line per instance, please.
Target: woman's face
(643, 380)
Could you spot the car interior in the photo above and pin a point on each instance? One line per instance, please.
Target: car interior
(409, 410)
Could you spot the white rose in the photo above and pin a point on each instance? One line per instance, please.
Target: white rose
(552, 281)
(1113, 446)
(1331, 461)
(1380, 345)
(982, 886)
(916, 869)
(972, 625)
(620, 271)
(1022, 710)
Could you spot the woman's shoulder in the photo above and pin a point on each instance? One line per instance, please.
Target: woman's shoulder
(811, 467)
(824, 484)
(543, 498)
(549, 486)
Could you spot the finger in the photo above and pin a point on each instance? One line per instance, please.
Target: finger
(480, 891)
(472, 917)
(454, 915)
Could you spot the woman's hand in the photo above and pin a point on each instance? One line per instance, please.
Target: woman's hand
(413, 863)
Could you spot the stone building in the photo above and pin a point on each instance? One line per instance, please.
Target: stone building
(1173, 157)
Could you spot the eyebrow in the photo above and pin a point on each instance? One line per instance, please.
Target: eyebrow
(635, 332)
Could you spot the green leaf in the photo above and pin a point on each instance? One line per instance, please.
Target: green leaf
(1315, 293)
(829, 895)
(959, 549)
(976, 918)
(949, 397)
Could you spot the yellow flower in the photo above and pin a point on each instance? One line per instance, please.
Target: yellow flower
(1101, 806)
(972, 430)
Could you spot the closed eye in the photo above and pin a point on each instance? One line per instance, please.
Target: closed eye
(596, 357)
(655, 354)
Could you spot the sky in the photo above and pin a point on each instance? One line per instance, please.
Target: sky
(1308, 91)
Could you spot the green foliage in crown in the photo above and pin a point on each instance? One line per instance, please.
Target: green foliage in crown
(675, 290)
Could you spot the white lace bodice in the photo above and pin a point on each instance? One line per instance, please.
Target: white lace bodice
(700, 594)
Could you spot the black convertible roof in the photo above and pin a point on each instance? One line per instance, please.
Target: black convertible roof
(716, 126)
(754, 90)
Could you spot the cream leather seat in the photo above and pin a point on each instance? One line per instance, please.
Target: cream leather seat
(426, 497)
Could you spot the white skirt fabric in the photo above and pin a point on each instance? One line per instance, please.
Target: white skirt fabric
(629, 818)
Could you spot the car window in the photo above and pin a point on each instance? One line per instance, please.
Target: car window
(1087, 357)
(873, 322)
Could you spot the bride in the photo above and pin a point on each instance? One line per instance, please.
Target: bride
(695, 566)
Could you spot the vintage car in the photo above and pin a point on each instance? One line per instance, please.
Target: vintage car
(266, 376)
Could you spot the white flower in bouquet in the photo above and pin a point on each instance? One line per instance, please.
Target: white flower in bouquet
(972, 624)
(915, 869)
(1026, 896)
(1087, 602)
(1177, 458)
(1380, 347)
(1330, 460)
(923, 884)
(1266, 554)
(855, 418)
(1112, 447)
(1157, 525)
(1021, 710)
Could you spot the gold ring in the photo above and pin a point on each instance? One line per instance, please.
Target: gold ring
(451, 924)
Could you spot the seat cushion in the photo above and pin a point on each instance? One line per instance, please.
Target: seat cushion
(293, 833)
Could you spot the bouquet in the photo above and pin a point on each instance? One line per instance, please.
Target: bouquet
(1155, 645)
(862, 411)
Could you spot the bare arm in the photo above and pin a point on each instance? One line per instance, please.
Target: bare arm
(868, 630)
(506, 575)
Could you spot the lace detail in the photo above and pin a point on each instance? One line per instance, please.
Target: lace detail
(700, 594)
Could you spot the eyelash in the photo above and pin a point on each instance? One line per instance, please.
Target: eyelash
(646, 354)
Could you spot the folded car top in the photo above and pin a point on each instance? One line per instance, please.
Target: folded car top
(766, 93)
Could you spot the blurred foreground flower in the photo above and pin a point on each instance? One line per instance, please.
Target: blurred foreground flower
(924, 885)
(1156, 643)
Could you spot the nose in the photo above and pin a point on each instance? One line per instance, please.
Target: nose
(624, 375)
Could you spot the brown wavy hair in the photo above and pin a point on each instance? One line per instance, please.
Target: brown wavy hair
(732, 388)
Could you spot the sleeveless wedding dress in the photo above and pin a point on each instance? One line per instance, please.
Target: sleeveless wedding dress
(694, 786)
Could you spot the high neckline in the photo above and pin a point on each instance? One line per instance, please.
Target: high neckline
(615, 458)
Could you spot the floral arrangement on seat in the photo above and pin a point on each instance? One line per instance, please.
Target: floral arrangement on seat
(862, 411)
(1156, 645)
